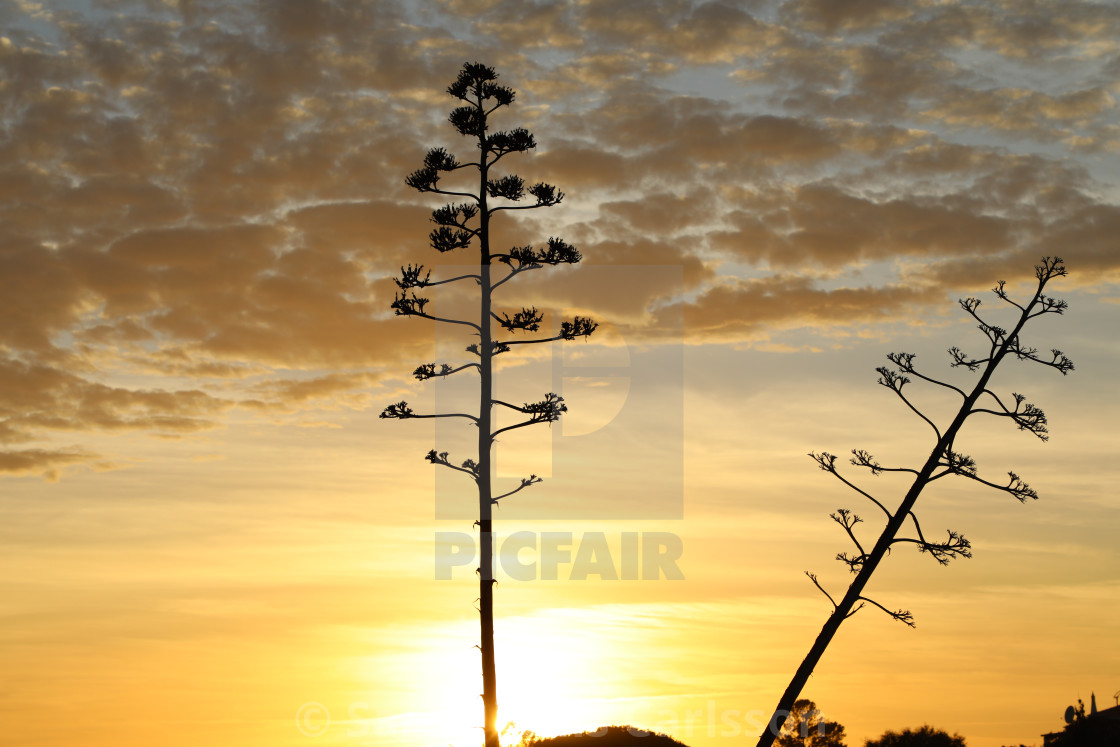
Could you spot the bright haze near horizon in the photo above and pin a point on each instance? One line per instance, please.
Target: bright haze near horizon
(209, 537)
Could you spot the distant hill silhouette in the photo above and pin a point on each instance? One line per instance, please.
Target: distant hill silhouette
(615, 736)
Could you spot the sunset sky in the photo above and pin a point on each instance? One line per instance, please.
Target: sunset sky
(208, 536)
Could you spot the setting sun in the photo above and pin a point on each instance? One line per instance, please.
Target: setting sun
(304, 303)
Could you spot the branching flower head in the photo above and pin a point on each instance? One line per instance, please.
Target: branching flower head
(580, 326)
(472, 77)
(398, 410)
(438, 159)
(514, 141)
(528, 320)
(548, 409)
(410, 277)
(546, 194)
(511, 187)
(824, 460)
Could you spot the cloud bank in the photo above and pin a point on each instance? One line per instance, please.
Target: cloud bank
(202, 204)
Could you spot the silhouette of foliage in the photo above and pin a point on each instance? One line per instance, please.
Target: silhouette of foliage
(606, 736)
(926, 736)
(943, 461)
(465, 224)
(804, 727)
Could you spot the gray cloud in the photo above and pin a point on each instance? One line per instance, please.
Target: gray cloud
(215, 190)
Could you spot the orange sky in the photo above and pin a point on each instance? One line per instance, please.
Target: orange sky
(210, 538)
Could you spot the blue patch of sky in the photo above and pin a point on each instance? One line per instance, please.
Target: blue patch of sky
(1055, 75)
(715, 82)
(430, 15)
(42, 22)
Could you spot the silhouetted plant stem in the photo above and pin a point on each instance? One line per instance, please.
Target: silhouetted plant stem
(942, 457)
(486, 579)
(481, 97)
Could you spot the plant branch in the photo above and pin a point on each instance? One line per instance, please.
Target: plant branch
(903, 616)
(1015, 486)
(578, 327)
(848, 520)
(813, 578)
(861, 458)
(827, 462)
(402, 411)
(547, 410)
(1027, 416)
(428, 370)
(525, 482)
(405, 305)
(895, 381)
(410, 278)
(469, 466)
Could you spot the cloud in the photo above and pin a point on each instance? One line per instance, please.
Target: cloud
(329, 391)
(39, 400)
(942, 63)
(825, 225)
(754, 309)
(1044, 29)
(859, 15)
(34, 397)
(702, 33)
(522, 25)
(45, 462)
(203, 203)
(1021, 111)
(664, 213)
(577, 167)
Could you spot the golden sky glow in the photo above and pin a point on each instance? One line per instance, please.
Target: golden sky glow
(209, 538)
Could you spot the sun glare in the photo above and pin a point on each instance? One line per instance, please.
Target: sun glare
(547, 678)
(547, 670)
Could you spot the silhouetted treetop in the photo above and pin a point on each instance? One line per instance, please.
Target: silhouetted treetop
(926, 736)
(806, 728)
(607, 736)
